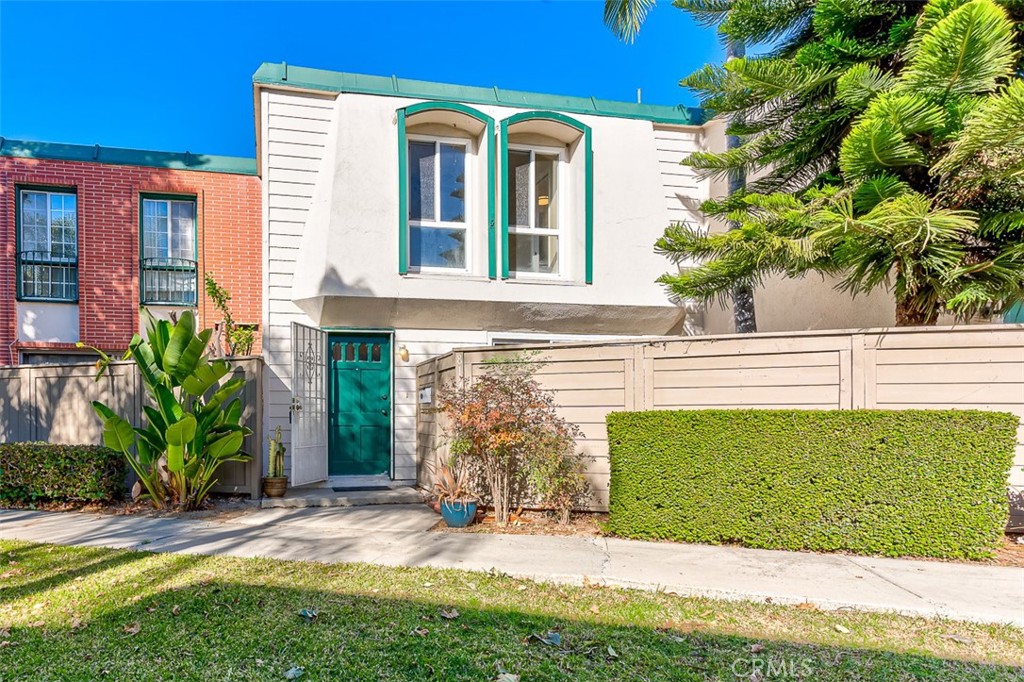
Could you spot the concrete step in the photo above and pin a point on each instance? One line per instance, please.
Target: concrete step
(325, 497)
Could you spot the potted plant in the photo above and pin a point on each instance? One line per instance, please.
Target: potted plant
(457, 504)
(275, 483)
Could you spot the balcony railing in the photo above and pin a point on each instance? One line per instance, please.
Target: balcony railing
(46, 276)
(169, 281)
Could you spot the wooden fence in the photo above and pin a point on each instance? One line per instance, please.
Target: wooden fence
(971, 367)
(53, 403)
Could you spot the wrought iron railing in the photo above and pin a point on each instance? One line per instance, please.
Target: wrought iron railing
(46, 276)
(169, 281)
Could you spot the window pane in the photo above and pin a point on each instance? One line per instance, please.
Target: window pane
(533, 253)
(546, 189)
(453, 183)
(437, 247)
(154, 228)
(518, 188)
(182, 230)
(421, 181)
(33, 222)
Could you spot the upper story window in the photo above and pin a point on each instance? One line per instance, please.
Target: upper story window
(535, 189)
(169, 251)
(547, 189)
(47, 245)
(438, 204)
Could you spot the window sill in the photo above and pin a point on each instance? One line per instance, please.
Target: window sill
(31, 299)
(545, 281)
(460, 276)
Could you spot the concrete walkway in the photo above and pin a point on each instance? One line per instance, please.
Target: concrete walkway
(396, 536)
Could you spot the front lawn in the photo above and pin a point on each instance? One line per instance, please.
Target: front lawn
(84, 614)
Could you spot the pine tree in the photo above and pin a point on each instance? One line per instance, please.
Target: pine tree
(889, 140)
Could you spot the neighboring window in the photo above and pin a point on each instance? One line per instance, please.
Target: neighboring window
(48, 245)
(168, 251)
(437, 204)
(534, 205)
(58, 358)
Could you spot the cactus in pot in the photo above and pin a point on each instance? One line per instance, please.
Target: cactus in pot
(275, 482)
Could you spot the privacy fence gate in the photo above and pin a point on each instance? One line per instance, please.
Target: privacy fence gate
(968, 367)
(53, 403)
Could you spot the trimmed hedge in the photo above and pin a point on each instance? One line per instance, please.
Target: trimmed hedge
(43, 471)
(896, 483)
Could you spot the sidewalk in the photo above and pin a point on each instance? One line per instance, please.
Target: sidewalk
(396, 536)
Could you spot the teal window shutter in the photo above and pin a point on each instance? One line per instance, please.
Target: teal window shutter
(403, 196)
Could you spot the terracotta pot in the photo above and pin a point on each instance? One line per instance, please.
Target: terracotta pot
(275, 486)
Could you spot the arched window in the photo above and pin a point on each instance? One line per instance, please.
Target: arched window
(446, 181)
(546, 197)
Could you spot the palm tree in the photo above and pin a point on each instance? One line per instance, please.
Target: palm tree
(929, 198)
(624, 17)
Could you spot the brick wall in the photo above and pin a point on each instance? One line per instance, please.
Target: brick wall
(228, 224)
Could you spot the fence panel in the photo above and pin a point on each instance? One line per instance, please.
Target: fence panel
(969, 367)
(53, 403)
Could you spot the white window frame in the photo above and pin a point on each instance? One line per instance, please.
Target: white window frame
(466, 226)
(561, 211)
(170, 220)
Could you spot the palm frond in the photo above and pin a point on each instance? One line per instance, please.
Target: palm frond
(625, 17)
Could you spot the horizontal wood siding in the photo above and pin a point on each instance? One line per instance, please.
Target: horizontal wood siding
(297, 127)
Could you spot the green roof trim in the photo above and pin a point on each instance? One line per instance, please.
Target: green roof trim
(116, 156)
(392, 86)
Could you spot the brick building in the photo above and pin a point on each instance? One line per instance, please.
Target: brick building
(90, 233)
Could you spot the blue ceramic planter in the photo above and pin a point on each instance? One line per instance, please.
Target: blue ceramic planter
(458, 513)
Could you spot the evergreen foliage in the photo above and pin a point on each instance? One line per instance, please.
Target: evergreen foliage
(888, 148)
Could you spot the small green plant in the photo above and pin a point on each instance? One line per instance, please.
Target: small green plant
(194, 423)
(239, 338)
(276, 456)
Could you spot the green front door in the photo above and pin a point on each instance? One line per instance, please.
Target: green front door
(359, 404)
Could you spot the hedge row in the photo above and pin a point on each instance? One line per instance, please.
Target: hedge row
(43, 471)
(896, 483)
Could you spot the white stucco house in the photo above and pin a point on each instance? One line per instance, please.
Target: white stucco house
(402, 219)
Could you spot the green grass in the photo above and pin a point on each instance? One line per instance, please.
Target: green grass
(72, 613)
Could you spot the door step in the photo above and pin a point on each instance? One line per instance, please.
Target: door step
(328, 497)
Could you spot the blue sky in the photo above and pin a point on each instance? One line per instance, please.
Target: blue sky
(177, 76)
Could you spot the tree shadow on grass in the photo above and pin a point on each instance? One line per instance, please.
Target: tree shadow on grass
(160, 617)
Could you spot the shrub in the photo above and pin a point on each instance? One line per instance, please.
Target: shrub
(194, 423)
(897, 483)
(505, 428)
(41, 471)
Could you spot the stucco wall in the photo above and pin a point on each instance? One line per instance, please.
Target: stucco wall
(330, 169)
(350, 244)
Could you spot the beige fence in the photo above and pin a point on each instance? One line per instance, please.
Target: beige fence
(974, 367)
(53, 403)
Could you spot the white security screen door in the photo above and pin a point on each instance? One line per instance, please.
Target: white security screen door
(309, 404)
